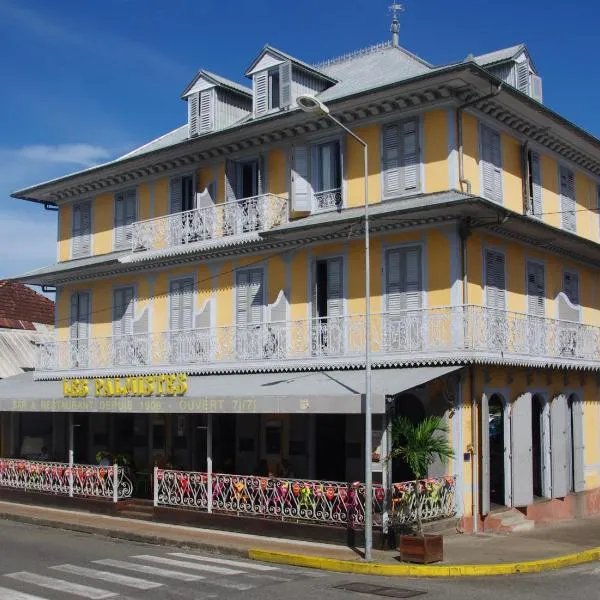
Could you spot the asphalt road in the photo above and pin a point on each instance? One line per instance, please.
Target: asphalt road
(38, 563)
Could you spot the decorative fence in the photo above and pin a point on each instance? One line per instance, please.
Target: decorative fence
(330, 502)
(111, 482)
(462, 332)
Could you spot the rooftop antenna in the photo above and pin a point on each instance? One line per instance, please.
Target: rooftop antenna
(395, 28)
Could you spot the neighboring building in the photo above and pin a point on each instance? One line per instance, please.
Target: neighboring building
(230, 250)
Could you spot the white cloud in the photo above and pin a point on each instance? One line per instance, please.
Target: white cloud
(76, 154)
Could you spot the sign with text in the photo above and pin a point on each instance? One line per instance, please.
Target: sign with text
(131, 387)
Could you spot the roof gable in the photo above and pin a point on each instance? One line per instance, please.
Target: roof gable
(205, 80)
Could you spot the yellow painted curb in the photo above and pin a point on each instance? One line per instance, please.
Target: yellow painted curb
(364, 568)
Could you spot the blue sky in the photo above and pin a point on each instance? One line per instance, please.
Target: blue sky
(83, 82)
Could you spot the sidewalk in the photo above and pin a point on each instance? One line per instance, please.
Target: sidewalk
(573, 542)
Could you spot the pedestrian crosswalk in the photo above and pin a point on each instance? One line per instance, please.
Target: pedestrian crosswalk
(151, 576)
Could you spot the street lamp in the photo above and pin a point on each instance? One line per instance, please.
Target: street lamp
(310, 104)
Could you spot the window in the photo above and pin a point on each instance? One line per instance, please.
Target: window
(245, 178)
(327, 166)
(201, 112)
(401, 158)
(495, 279)
(123, 311)
(535, 289)
(571, 286)
(82, 229)
(328, 306)
(404, 288)
(125, 215)
(181, 304)
(79, 328)
(535, 184)
(249, 297)
(182, 194)
(272, 88)
(491, 164)
(567, 199)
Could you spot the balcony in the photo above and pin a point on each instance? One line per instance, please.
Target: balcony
(327, 200)
(226, 220)
(453, 334)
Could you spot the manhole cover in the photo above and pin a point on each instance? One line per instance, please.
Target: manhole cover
(378, 590)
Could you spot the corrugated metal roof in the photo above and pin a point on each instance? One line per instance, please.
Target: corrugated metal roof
(17, 349)
(499, 55)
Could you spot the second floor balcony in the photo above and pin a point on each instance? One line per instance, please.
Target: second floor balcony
(459, 334)
(228, 219)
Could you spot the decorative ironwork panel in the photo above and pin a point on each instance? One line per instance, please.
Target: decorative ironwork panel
(327, 200)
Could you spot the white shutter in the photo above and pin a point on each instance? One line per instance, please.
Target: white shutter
(393, 281)
(567, 199)
(523, 77)
(207, 110)
(535, 289)
(571, 286)
(242, 280)
(230, 170)
(176, 197)
(495, 284)
(335, 288)
(521, 451)
(285, 84)
(391, 161)
(491, 156)
(410, 155)
(175, 306)
(255, 296)
(261, 93)
(577, 416)
(536, 184)
(559, 416)
(536, 88)
(301, 190)
(187, 304)
(193, 121)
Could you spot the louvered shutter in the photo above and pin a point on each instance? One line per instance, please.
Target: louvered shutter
(391, 161)
(335, 288)
(571, 287)
(187, 304)
(536, 184)
(536, 88)
(315, 291)
(262, 174)
(76, 237)
(176, 196)
(207, 110)
(567, 199)
(230, 170)
(521, 451)
(175, 306)
(193, 120)
(495, 283)
(412, 279)
(394, 282)
(577, 417)
(255, 296)
(491, 156)
(301, 189)
(82, 229)
(83, 315)
(523, 77)
(535, 289)
(285, 84)
(74, 316)
(559, 414)
(242, 297)
(123, 311)
(118, 304)
(119, 220)
(410, 155)
(261, 93)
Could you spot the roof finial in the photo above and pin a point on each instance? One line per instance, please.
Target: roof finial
(395, 28)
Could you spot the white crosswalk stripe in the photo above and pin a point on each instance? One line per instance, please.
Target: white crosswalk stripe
(7, 594)
(148, 570)
(66, 587)
(223, 561)
(188, 565)
(126, 580)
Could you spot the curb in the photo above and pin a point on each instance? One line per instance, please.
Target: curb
(364, 568)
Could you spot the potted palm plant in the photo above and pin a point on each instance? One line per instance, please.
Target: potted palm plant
(418, 445)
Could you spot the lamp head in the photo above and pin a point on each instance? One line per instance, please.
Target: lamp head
(310, 104)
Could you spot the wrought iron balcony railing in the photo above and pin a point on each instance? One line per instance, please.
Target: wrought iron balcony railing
(255, 214)
(459, 333)
(327, 200)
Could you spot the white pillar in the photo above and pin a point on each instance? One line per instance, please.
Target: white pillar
(209, 460)
(71, 453)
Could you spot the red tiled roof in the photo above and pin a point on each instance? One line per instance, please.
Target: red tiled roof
(20, 306)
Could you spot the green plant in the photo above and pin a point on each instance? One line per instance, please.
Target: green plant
(418, 445)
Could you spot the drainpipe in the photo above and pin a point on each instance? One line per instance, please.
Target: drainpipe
(459, 136)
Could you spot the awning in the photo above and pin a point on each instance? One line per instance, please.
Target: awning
(333, 392)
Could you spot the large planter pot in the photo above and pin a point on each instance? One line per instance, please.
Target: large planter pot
(423, 550)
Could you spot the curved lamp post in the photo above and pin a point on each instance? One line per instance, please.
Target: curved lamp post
(310, 104)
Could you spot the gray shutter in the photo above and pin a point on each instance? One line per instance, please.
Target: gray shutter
(391, 161)
(119, 220)
(242, 281)
(74, 316)
(536, 181)
(187, 304)
(571, 287)
(535, 289)
(485, 455)
(123, 311)
(495, 283)
(193, 121)
(523, 77)
(567, 199)
(285, 84)
(578, 445)
(261, 93)
(130, 214)
(491, 156)
(522, 459)
(412, 278)
(76, 237)
(536, 88)
(175, 306)
(393, 281)
(230, 169)
(118, 304)
(410, 155)
(176, 198)
(301, 190)
(559, 413)
(335, 288)
(82, 229)
(255, 296)
(207, 111)
(80, 315)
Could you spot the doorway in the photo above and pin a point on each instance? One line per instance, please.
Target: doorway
(330, 463)
(536, 444)
(410, 406)
(497, 446)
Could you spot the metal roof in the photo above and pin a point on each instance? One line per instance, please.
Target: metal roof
(17, 349)
(218, 80)
(498, 55)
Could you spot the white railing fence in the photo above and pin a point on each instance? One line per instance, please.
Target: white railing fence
(258, 213)
(461, 331)
(111, 482)
(327, 200)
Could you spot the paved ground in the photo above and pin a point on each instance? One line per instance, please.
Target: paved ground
(38, 563)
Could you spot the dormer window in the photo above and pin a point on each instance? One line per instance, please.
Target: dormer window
(272, 88)
(201, 112)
